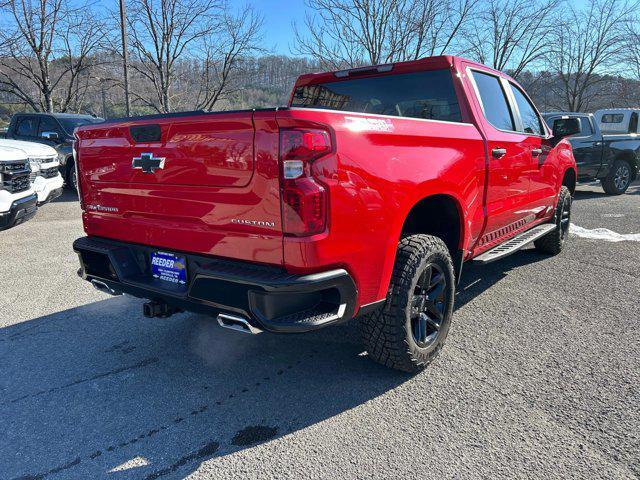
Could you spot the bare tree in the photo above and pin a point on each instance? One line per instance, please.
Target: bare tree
(632, 46)
(590, 41)
(239, 35)
(204, 33)
(161, 32)
(512, 34)
(348, 33)
(45, 48)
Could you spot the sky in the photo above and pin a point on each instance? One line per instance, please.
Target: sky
(278, 15)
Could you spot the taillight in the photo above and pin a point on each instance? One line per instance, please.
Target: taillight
(304, 200)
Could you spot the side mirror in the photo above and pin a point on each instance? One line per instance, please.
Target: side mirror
(53, 136)
(565, 127)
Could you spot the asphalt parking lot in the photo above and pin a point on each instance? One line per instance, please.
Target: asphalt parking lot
(540, 376)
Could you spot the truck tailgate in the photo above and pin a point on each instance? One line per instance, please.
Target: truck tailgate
(204, 183)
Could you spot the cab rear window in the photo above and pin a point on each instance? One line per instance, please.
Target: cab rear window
(612, 118)
(427, 95)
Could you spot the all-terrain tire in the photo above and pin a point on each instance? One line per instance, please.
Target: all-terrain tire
(388, 333)
(619, 178)
(554, 241)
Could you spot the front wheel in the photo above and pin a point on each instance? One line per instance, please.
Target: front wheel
(619, 178)
(72, 180)
(554, 241)
(410, 330)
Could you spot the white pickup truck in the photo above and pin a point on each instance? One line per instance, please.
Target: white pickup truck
(45, 175)
(17, 198)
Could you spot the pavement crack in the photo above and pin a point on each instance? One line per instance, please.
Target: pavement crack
(41, 475)
(207, 450)
(249, 435)
(144, 363)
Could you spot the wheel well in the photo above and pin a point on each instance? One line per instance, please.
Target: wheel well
(439, 216)
(569, 180)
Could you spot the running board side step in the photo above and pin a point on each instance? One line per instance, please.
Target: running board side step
(514, 244)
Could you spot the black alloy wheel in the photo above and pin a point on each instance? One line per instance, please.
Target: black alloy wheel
(428, 305)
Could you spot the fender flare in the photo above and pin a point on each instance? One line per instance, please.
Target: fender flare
(420, 193)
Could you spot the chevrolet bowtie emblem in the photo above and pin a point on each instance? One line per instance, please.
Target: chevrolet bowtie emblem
(148, 163)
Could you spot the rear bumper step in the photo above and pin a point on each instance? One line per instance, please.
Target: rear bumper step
(262, 297)
(516, 243)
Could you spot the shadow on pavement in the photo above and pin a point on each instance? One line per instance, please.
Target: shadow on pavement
(477, 279)
(99, 391)
(68, 195)
(97, 388)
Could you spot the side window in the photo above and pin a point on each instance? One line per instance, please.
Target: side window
(530, 119)
(612, 118)
(48, 124)
(586, 129)
(494, 101)
(26, 126)
(633, 123)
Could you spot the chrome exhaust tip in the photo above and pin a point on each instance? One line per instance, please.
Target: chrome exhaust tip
(238, 324)
(103, 287)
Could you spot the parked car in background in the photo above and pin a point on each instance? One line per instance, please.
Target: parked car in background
(45, 174)
(363, 197)
(618, 121)
(612, 159)
(18, 201)
(55, 130)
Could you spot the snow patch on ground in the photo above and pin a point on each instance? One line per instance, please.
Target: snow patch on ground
(603, 234)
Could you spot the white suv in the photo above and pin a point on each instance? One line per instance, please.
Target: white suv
(17, 197)
(45, 174)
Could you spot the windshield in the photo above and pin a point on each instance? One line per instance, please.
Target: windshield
(70, 124)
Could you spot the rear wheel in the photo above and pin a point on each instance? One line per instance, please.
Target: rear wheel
(619, 178)
(410, 330)
(553, 242)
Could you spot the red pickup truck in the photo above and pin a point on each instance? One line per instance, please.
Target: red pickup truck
(363, 197)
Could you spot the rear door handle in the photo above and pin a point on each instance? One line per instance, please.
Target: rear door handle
(498, 152)
(536, 152)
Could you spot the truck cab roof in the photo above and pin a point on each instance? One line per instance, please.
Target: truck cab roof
(427, 63)
(62, 115)
(570, 114)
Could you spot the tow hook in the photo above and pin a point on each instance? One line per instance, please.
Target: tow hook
(158, 310)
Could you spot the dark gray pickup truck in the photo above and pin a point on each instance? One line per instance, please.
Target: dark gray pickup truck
(54, 129)
(612, 159)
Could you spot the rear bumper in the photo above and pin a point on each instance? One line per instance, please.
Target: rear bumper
(20, 211)
(268, 297)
